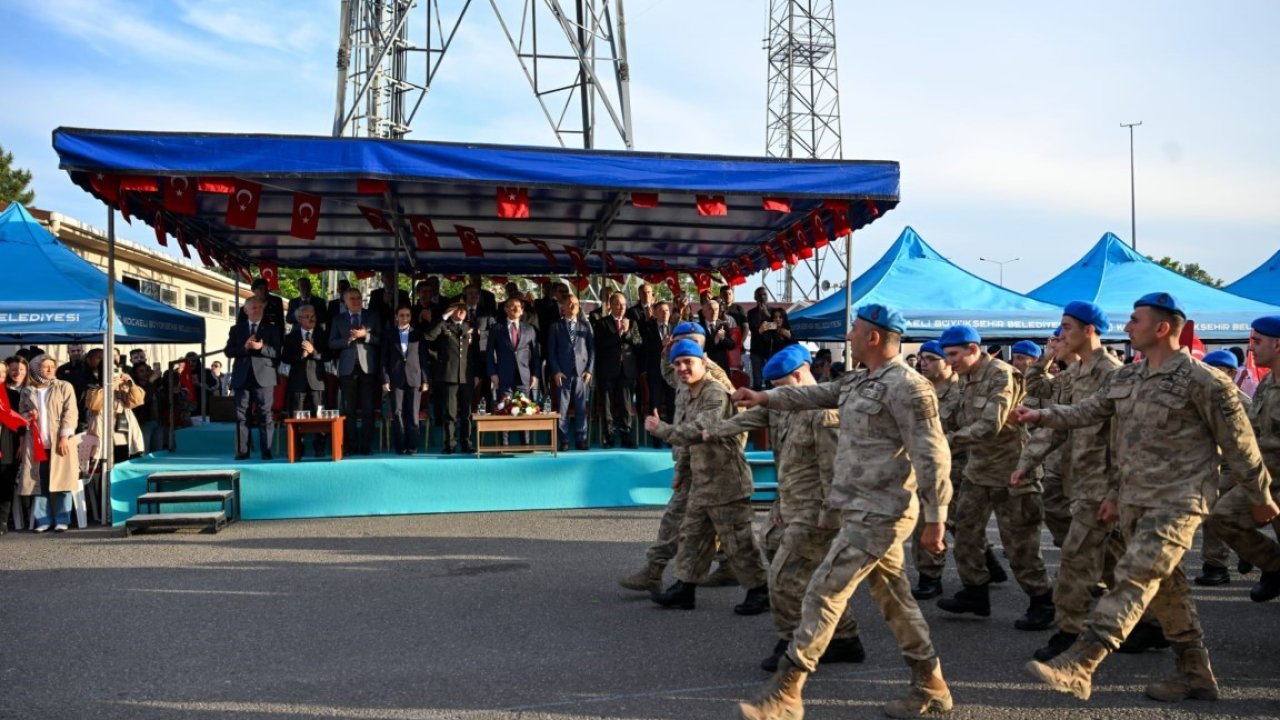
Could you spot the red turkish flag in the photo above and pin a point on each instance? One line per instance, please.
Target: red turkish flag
(818, 231)
(1189, 339)
(701, 280)
(106, 185)
(220, 186)
(182, 243)
(424, 233)
(579, 260)
(377, 219)
(644, 200)
(781, 205)
(788, 252)
(800, 242)
(513, 203)
(712, 205)
(546, 252)
(738, 276)
(771, 255)
(139, 183)
(364, 274)
(728, 272)
(608, 261)
(158, 224)
(242, 205)
(642, 261)
(372, 187)
(471, 246)
(204, 254)
(872, 207)
(180, 195)
(673, 283)
(746, 265)
(306, 216)
(270, 273)
(581, 282)
(840, 226)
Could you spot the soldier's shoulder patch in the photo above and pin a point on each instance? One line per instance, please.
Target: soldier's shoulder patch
(873, 390)
(924, 405)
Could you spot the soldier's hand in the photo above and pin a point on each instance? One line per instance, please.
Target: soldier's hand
(1108, 512)
(748, 398)
(706, 436)
(1023, 415)
(933, 538)
(1017, 478)
(651, 422)
(1263, 514)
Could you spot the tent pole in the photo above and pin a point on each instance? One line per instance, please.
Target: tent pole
(106, 444)
(204, 391)
(848, 297)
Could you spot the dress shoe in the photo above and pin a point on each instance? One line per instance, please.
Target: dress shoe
(242, 456)
(1211, 575)
(681, 595)
(563, 445)
(628, 442)
(582, 445)
(1244, 568)
(974, 599)
(448, 450)
(266, 455)
(469, 449)
(756, 602)
(1267, 588)
(927, 588)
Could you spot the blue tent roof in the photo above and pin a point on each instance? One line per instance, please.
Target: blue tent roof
(1113, 275)
(933, 294)
(53, 295)
(576, 198)
(1263, 284)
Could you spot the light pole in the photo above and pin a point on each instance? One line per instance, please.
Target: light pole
(1001, 263)
(1133, 205)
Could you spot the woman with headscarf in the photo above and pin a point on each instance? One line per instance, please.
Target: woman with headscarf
(12, 427)
(50, 465)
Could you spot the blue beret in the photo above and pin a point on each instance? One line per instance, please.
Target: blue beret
(1222, 359)
(785, 361)
(1026, 347)
(1163, 301)
(933, 348)
(1089, 314)
(884, 317)
(685, 348)
(1269, 326)
(959, 335)
(689, 328)
(1057, 332)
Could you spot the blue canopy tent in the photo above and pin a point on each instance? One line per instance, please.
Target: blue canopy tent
(1113, 275)
(933, 294)
(1263, 284)
(55, 296)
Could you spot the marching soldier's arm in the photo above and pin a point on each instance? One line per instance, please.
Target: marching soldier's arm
(1092, 410)
(826, 434)
(917, 419)
(994, 414)
(1040, 384)
(1042, 442)
(1220, 406)
(807, 397)
(750, 419)
(669, 372)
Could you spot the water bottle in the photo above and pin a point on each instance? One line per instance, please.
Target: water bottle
(546, 403)
(480, 409)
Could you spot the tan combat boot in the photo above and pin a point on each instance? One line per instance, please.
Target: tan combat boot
(1195, 680)
(647, 580)
(928, 694)
(780, 698)
(1072, 671)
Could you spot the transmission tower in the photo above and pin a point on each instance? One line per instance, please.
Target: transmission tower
(803, 118)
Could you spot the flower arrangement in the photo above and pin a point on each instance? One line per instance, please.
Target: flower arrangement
(517, 403)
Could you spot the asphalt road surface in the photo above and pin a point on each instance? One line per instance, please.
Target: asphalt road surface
(499, 615)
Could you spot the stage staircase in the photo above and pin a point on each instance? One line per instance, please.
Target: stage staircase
(201, 488)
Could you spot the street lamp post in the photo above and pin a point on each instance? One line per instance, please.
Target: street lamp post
(1133, 205)
(1001, 263)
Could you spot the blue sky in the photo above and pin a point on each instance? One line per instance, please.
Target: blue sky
(1004, 115)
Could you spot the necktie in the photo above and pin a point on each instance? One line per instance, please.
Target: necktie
(355, 320)
(515, 334)
(618, 323)
(253, 328)
(307, 336)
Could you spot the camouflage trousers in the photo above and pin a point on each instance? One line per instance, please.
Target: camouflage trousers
(927, 564)
(802, 549)
(732, 523)
(1018, 517)
(661, 552)
(1232, 521)
(1057, 508)
(771, 533)
(1089, 553)
(1149, 576)
(868, 548)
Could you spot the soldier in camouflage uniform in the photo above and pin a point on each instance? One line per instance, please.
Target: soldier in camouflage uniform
(891, 446)
(1090, 540)
(989, 389)
(1233, 518)
(1043, 389)
(719, 488)
(1170, 416)
(804, 450)
(1214, 553)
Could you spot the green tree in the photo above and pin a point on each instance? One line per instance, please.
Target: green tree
(1191, 270)
(15, 183)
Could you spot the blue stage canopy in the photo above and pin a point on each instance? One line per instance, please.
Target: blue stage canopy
(251, 195)
(933, 294)
(52, 295)
(1263, 284)
(1113, 275)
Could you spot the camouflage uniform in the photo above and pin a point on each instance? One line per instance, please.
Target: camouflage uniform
(1232, 520)
(890, 440)
(1167, 426)
(719, 488)
(988, 393)
(1090, 546)
(804, 451)
(1044, 390)
(771, 532)
(1213, 551)
(927, 564)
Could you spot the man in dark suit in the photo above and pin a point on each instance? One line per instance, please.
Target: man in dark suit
(306, 350)
(272, 306)
(617, 340)
(654, 334)
(254, 346)
(306, 298)
(488, 301)
(383, 301)
(338, 305)
(354, 339)
(404, 375)
(642, 311)
(571, 355)
(512, 353)
(481, 322)
(454, 374)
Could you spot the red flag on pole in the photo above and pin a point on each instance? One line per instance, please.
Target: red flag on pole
(424, 233)
(513, 203)
(818, 231)
(160, 229)
(701, 281)
(180, 195)
(644, 200)
(800, 242)
(269, 272)
(306, 216)
(377, 219)
(471, 246)
(711, 205)
(673, 282)
(242, 205)
(773, 204)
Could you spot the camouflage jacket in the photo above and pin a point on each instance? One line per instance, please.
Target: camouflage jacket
(891, 440)
(1264, 415)
(682, 398)
(1168, 424)
(987, 394)
(717, 471)
(1089, 468)
(1044, 390)
(804, 453)
(948, 407)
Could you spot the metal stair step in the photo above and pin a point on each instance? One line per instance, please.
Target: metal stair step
(216, 520)
(186, 496)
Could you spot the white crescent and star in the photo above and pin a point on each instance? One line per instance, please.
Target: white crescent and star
(179, 189)
(304, 215)
(244, 204)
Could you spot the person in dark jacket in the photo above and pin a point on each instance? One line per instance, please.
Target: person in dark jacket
(354, 339)
(12, 427)
(617, 341)
(571, 354)
(306, 350)
(454, 375)
(254, 345)
(404, 376)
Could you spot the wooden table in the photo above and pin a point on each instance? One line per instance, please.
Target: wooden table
(309, 426)
(518, 423)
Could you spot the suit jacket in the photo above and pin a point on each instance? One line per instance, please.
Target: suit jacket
(378, 302)
(363, 353)
(453, 363)
(331, 311)
(616, 353)
(482, 323)
(514, 366)
(306, 374)
(258, 364)
(571, 353)
(651, 337)
(408, 367)
(322, 312)
(272, 312)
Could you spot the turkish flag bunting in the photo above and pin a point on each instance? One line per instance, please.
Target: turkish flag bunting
(644, 200)
(270, 273)
(712, 205)
(180, 195)
(836, 205)
(513, 203)
(139, 183)
(221, 186)
(642, 261)
(728, 272)
(470, 241)
(424, 233)
(840, 226)
(818, 231)
(123, 204)
(788, 252)
(546, 252)
(617, 279)
(182, 243)
(872, 208)
(242, 205)
(701, 280)
(364, 274)
(582, 281)
(306, 216)
(746, 266)
(579, 260)
(608, 261)
(771, 255)
(106, 185)
(377, 219)
(673, 283)
(800, 242)
(204, 254)
(161, 235)
(372, 187)
(781, 205)
(738, 277)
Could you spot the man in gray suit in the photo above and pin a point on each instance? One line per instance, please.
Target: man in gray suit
(254, 347)
(354, 339)
(571, 358)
